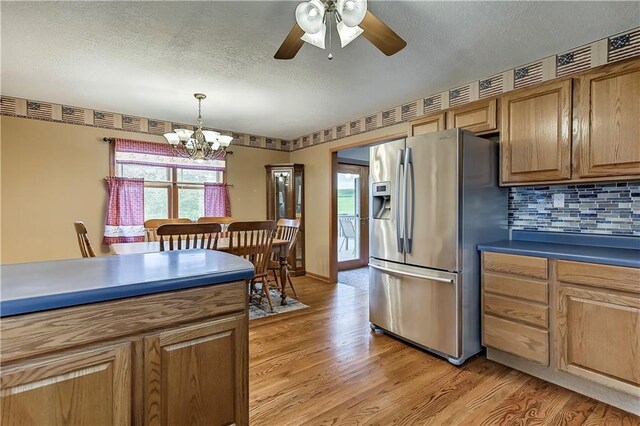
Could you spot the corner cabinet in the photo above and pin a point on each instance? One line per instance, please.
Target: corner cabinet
(608, 134)
(285, 200)
(536, 134)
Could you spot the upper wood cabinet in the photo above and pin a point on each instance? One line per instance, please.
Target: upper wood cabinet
(536, 133)
(608, 133)
(431, 124)
(89, 387)
(477, 117)
(195, 374)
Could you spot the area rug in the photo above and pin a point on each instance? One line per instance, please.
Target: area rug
(262, 310)
(358, 278)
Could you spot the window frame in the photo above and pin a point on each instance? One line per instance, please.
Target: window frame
(172, 185)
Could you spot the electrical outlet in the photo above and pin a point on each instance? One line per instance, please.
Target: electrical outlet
(558, 200)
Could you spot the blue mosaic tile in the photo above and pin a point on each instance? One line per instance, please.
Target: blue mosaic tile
(608, 208)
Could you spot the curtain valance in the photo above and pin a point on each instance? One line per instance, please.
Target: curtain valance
(128, 151)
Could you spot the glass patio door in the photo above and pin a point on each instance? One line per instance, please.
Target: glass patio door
(353, 221)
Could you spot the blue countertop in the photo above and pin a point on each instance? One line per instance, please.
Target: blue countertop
(607, 250)
(34, 287)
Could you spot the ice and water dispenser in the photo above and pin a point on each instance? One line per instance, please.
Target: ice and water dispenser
(381, 200)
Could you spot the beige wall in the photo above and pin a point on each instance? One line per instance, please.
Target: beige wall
(43, 194)
(317, 173)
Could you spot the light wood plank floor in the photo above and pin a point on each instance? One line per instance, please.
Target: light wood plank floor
(324, 366)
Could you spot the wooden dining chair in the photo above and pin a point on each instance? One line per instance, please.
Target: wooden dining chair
(222, 220)
(287, 229)
(186, 236)
(253, 241)
(83, 240)
(151, 225)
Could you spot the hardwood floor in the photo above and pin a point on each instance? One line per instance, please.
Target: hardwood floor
(324, 365)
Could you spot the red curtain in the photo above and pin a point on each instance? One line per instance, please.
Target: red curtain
(125, 211)
(216, 200)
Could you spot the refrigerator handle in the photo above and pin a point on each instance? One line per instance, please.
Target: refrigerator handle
(410, 216)
(399, 217)
(409, 274)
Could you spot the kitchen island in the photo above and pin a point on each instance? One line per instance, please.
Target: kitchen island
(157, 338)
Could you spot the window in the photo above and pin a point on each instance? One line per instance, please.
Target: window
(171, 187)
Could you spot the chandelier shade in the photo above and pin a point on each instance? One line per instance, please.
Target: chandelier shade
(198, 144)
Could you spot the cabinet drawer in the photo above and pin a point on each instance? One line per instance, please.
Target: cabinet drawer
(604, 276)
(535, 291)
(521, 340)
(519, 265)
(530, 313)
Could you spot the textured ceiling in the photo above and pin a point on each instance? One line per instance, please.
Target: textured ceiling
(148, 58)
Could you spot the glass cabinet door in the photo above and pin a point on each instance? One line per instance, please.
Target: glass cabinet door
(282, 181)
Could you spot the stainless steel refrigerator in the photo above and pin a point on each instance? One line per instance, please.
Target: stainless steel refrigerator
(434, 198)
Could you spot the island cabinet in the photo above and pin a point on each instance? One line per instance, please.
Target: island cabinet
(479, 117)
(576, 324)
(173, 358)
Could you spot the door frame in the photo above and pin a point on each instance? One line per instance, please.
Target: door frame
(363, 257)
(333, 199)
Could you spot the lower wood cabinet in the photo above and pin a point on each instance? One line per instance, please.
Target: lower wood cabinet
(193, 374)
(515, 305)
(87, 387)
(598, 328)
(586, 339)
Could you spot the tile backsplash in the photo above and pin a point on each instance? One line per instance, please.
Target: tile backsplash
(610, 208)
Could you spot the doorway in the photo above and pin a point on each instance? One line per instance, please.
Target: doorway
(352, 215)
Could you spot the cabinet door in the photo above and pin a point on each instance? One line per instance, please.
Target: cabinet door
(609, 121)
(598, 337)
(430, 124)
(197, 374)
(536, 133)
(91, 387)
(478, 117)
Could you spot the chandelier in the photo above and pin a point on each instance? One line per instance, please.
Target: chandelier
(200, 144)
(313, 16)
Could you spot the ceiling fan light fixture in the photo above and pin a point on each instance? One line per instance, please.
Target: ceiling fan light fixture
(352, 12)
(316, 39)
(347, 34)
(310, 16)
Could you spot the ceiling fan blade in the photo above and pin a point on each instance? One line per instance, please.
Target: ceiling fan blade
(290, 46)
(381, 36)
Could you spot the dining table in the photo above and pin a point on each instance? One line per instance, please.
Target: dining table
(280, 249)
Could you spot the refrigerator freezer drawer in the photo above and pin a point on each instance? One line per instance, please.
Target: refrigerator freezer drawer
(417, 304)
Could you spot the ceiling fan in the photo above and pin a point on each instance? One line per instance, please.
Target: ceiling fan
(351, 19)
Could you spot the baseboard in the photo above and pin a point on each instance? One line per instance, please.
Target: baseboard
(318, 277)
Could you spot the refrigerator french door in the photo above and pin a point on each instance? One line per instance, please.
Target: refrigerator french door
(434, 197)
